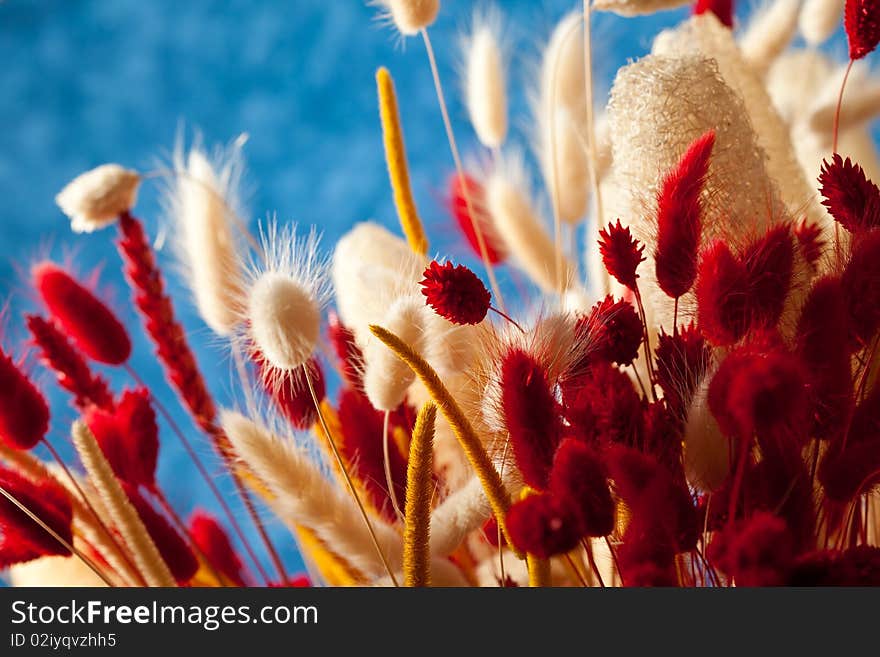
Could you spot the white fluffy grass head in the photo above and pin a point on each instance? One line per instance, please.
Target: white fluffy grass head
(96, 198)
(203, 204)
(485, 79)
(562, 66)
(563, 151)
(819, 18)
(411, 16)
(636, 7)
(769, 32)
(283, 299)
(706, 449)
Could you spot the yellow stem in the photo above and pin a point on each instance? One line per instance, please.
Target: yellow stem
(416, 535)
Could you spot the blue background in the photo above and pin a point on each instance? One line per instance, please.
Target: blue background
(83, 82)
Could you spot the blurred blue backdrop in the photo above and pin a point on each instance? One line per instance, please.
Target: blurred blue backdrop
(91, 81)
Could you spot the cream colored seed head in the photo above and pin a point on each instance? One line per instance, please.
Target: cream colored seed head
(412, 16)
(485, 87)
(96, 198)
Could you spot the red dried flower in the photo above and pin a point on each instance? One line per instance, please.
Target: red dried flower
(70, 367)
(858, 566)
(606, 408)
(681, 360)
(621, 253)
(531, 415)
(723, 9)
(291, 393)
(578, 478)
(852, 463)
(85, 319)
(663, 438)
(455, 293)
(769, 262)
(614, 331)
(22, 539)
(851, 198)
(809, 239)
(459, 209)
(347, 351)
(212, 541)
(128, 437)
(679, 218)
(722, 288)
(24, 413)
(174, 549)
(861, 284)
(755, 552)
(862, 22)
(362, 447)
(543, 525)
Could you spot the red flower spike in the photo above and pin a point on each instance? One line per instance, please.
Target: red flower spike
(851, 468)
(213, 541)
(347, 351)
(70, 368)
(769, 262)
(809, 240)
(455, 293)
(92, 326)
(614, 329)
(531, 415)
(24, 413)
(858, 566)
(755, 552)
(543, 525)
(851, 198)
(606, 409)
(723, 9)
(663, 438)
(679, 218)
(861, 283)
(579, 479)
(459, 209)
(681, 361)
(621, 253)
(362, 429)
(22, 539)
(722, 288)
(291, 393)
(174, 550)
(826, 356)
(862, 22)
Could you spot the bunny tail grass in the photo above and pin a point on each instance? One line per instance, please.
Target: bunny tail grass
(464, 430)
(146, 556)
(398, 171)
(416, 555)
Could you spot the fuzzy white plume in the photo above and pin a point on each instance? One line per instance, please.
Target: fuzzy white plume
(769, 32)
(819, 18)
(411, 16)
(636, 7)
(96, 198)
(485, 82)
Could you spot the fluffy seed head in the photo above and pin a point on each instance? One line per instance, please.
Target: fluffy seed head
(810, 242)
(851, 198)
(578, 477)
(213, 541)
(621, 253)
(543, 525)
(682, 359)
(96, 198)
(455, 293)
(861, 283)
(24, 413)
(568, 177)
(862, 22)
(615, 330)
(291, 393)
(721, 291)
(85, 319)
(485, 84)
(458, 206)
(562, 67)
(412, 16)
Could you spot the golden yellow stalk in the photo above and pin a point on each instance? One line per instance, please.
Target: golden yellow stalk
(146, 556)
(464, 431)
(416, 555)
(539, 569)
(398, 171)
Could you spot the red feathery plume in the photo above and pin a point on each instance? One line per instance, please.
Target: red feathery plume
(86, 319)
(174, 549)
(347, 351)
(862, 22)
(129, 437)
(543, 525)
(754, 552)
(621, 253)
(857, 566)
(722, 288)
(826, 356)
(768, 262)
(459, 209)
(809, 240)
(605, 408)
(681, 360)
(723, 9)
(531, 415)
(455, 293)
(362, 447)
(578, 478)
(212, 541)
(663, 438)
(24, 413)
(851, 198)
(614, 331)
(679, 218)
(760, 387)
(22, 539)
(71, 369)
(861, 283)
(291, 393)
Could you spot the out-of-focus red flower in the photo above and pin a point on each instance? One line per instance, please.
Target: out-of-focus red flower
(852, 199)
(613, 330)
(862, 22)
(458, 206)
(543, 525)
(24, 413)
